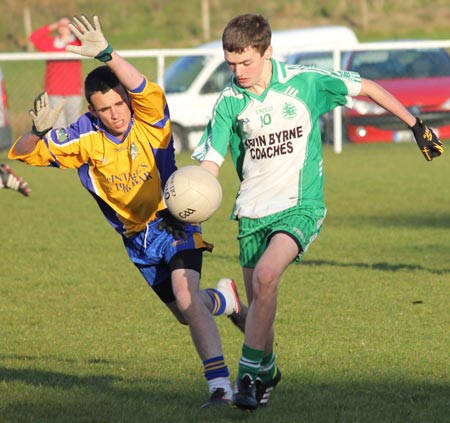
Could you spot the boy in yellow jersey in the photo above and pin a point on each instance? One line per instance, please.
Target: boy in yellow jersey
(123, 151)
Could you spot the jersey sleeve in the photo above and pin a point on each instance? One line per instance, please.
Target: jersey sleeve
(213, 145)
(352, 83)
(151, 109)
(58, 148)
(332, 89)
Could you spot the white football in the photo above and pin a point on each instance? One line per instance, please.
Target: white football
(192, 194)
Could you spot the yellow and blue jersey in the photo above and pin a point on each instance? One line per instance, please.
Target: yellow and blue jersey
(126, 177)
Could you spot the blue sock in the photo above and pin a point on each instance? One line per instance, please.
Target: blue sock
(215, 367)
(219, 301)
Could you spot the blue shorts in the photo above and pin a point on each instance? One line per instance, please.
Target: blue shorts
(151, 251)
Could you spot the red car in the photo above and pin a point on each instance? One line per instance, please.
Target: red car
(419, 78)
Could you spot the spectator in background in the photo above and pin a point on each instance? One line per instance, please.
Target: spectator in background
(63, 78)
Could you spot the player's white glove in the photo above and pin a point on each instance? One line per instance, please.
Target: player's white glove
(43, 116)
(93, 42)
(8, 179)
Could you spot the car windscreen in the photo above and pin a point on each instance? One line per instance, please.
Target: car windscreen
(410, 63)
(321, 60)
(180, 75)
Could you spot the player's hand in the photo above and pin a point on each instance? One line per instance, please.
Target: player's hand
(171, 224)
(43, 116)
(8, 179)
(93, 42)
(426, 139)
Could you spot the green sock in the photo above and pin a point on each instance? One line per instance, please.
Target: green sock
(250, 362)
(268, 368)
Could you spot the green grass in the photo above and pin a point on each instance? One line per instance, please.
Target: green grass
(362, 324)
(156, 24)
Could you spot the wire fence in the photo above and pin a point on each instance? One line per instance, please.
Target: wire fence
(24, 74)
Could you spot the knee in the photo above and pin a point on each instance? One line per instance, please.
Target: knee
(177, 313)
(189, 305)
(265, 280)
(180, 317)
(181, 320)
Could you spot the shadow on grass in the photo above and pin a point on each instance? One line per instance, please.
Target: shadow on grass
(426, 220)
(383, 266)
(53, 379)
(49, 396)
(430, 220)
(31, 358)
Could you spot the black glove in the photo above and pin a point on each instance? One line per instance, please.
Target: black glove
(171, 225)
(426, 139)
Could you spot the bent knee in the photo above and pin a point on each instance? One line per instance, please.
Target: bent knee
(265, 275)
(173, 307)
(181, 320)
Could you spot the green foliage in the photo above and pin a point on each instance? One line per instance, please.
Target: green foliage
(169, 24)
(362, 323)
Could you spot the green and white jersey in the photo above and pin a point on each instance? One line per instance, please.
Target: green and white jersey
(274, 138)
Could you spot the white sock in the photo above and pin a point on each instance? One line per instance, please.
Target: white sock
(220, 382)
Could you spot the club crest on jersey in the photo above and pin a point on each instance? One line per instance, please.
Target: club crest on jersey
(133, 151)
(62, 134)
(289, 111)
(244, 124)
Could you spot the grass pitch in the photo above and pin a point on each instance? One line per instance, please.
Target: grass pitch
(362, 324)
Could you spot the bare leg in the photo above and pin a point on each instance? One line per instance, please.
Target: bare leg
(191, 305)
(262, 291)
(261, 285)
(173, 307)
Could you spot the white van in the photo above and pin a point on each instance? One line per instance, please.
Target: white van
(192, 83)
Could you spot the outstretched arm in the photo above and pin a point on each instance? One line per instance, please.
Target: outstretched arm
(8, 179)
(386, 100)
(95, 45)
(43, 118)
(211, 166)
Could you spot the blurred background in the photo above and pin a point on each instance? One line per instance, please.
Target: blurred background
(172, 23)
(158, 24)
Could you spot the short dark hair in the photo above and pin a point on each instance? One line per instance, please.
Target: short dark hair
(101, 79)
(245, 31)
